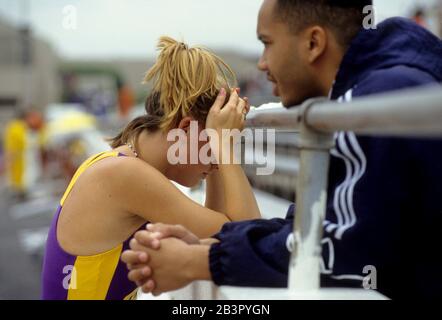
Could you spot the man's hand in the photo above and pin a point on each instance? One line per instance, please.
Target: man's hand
(174, 265)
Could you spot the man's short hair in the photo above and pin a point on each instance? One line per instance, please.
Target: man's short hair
(343, 17)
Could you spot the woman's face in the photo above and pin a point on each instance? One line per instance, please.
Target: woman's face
(193, 151)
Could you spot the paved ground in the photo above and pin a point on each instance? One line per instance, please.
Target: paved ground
(23, 230)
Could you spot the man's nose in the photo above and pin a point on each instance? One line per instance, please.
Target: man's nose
(262, 64)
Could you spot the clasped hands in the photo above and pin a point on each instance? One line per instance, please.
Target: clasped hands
(166, 257)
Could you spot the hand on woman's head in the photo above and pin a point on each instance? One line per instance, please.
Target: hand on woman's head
(229, 116)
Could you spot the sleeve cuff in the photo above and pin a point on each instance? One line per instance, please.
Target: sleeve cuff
(215, 264)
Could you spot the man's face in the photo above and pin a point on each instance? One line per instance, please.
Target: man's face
(285, 58)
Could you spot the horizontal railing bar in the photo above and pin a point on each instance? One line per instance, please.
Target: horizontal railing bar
(416, 112)
(278, 118)
(408, 113)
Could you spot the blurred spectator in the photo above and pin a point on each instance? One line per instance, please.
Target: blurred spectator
(420, 17)
(37, 126)
(14, 150)
(126, 99)
(22, 151)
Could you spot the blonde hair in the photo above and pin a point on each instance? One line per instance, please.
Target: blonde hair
(185, 82)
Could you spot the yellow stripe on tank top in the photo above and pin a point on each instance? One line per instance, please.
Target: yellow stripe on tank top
(83, 167)
(132, 296)
(92, 275)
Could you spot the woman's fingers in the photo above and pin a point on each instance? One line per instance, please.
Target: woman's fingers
(132, 258)
(147, 239)
(175, 231)
(233, 101)
(231, 116)
(247, 104)
(241, 107)
(220, 100)
(166, 230)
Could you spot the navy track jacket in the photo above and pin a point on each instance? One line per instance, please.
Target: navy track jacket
(384, 206)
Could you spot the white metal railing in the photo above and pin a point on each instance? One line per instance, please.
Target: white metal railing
(416, 112)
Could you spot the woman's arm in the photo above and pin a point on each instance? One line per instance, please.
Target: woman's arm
(237, 197)
(215, 198)
(238, 194)
(241, 199)
(141, 190)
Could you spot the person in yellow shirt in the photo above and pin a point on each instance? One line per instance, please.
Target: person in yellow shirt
(20, 146)
(14, 149)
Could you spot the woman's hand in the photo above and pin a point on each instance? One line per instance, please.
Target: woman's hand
(222, 121)
(158, 231)
(230, 116)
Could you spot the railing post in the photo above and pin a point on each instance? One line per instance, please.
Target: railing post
(311, 196)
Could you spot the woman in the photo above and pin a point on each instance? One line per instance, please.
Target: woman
(114, 194)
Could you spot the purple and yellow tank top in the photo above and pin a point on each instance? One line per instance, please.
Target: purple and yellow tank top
(98, 277)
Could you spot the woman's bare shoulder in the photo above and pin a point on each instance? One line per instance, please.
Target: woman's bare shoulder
(122, 176)
(119, 169)
(93, 199)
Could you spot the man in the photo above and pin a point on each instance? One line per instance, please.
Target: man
(382, 208)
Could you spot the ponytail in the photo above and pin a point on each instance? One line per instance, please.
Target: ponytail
(186, 81)
(183, 75)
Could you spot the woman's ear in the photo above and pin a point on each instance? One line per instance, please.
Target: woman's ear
(185, 123)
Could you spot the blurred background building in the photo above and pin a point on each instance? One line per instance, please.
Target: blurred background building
(28, 70)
